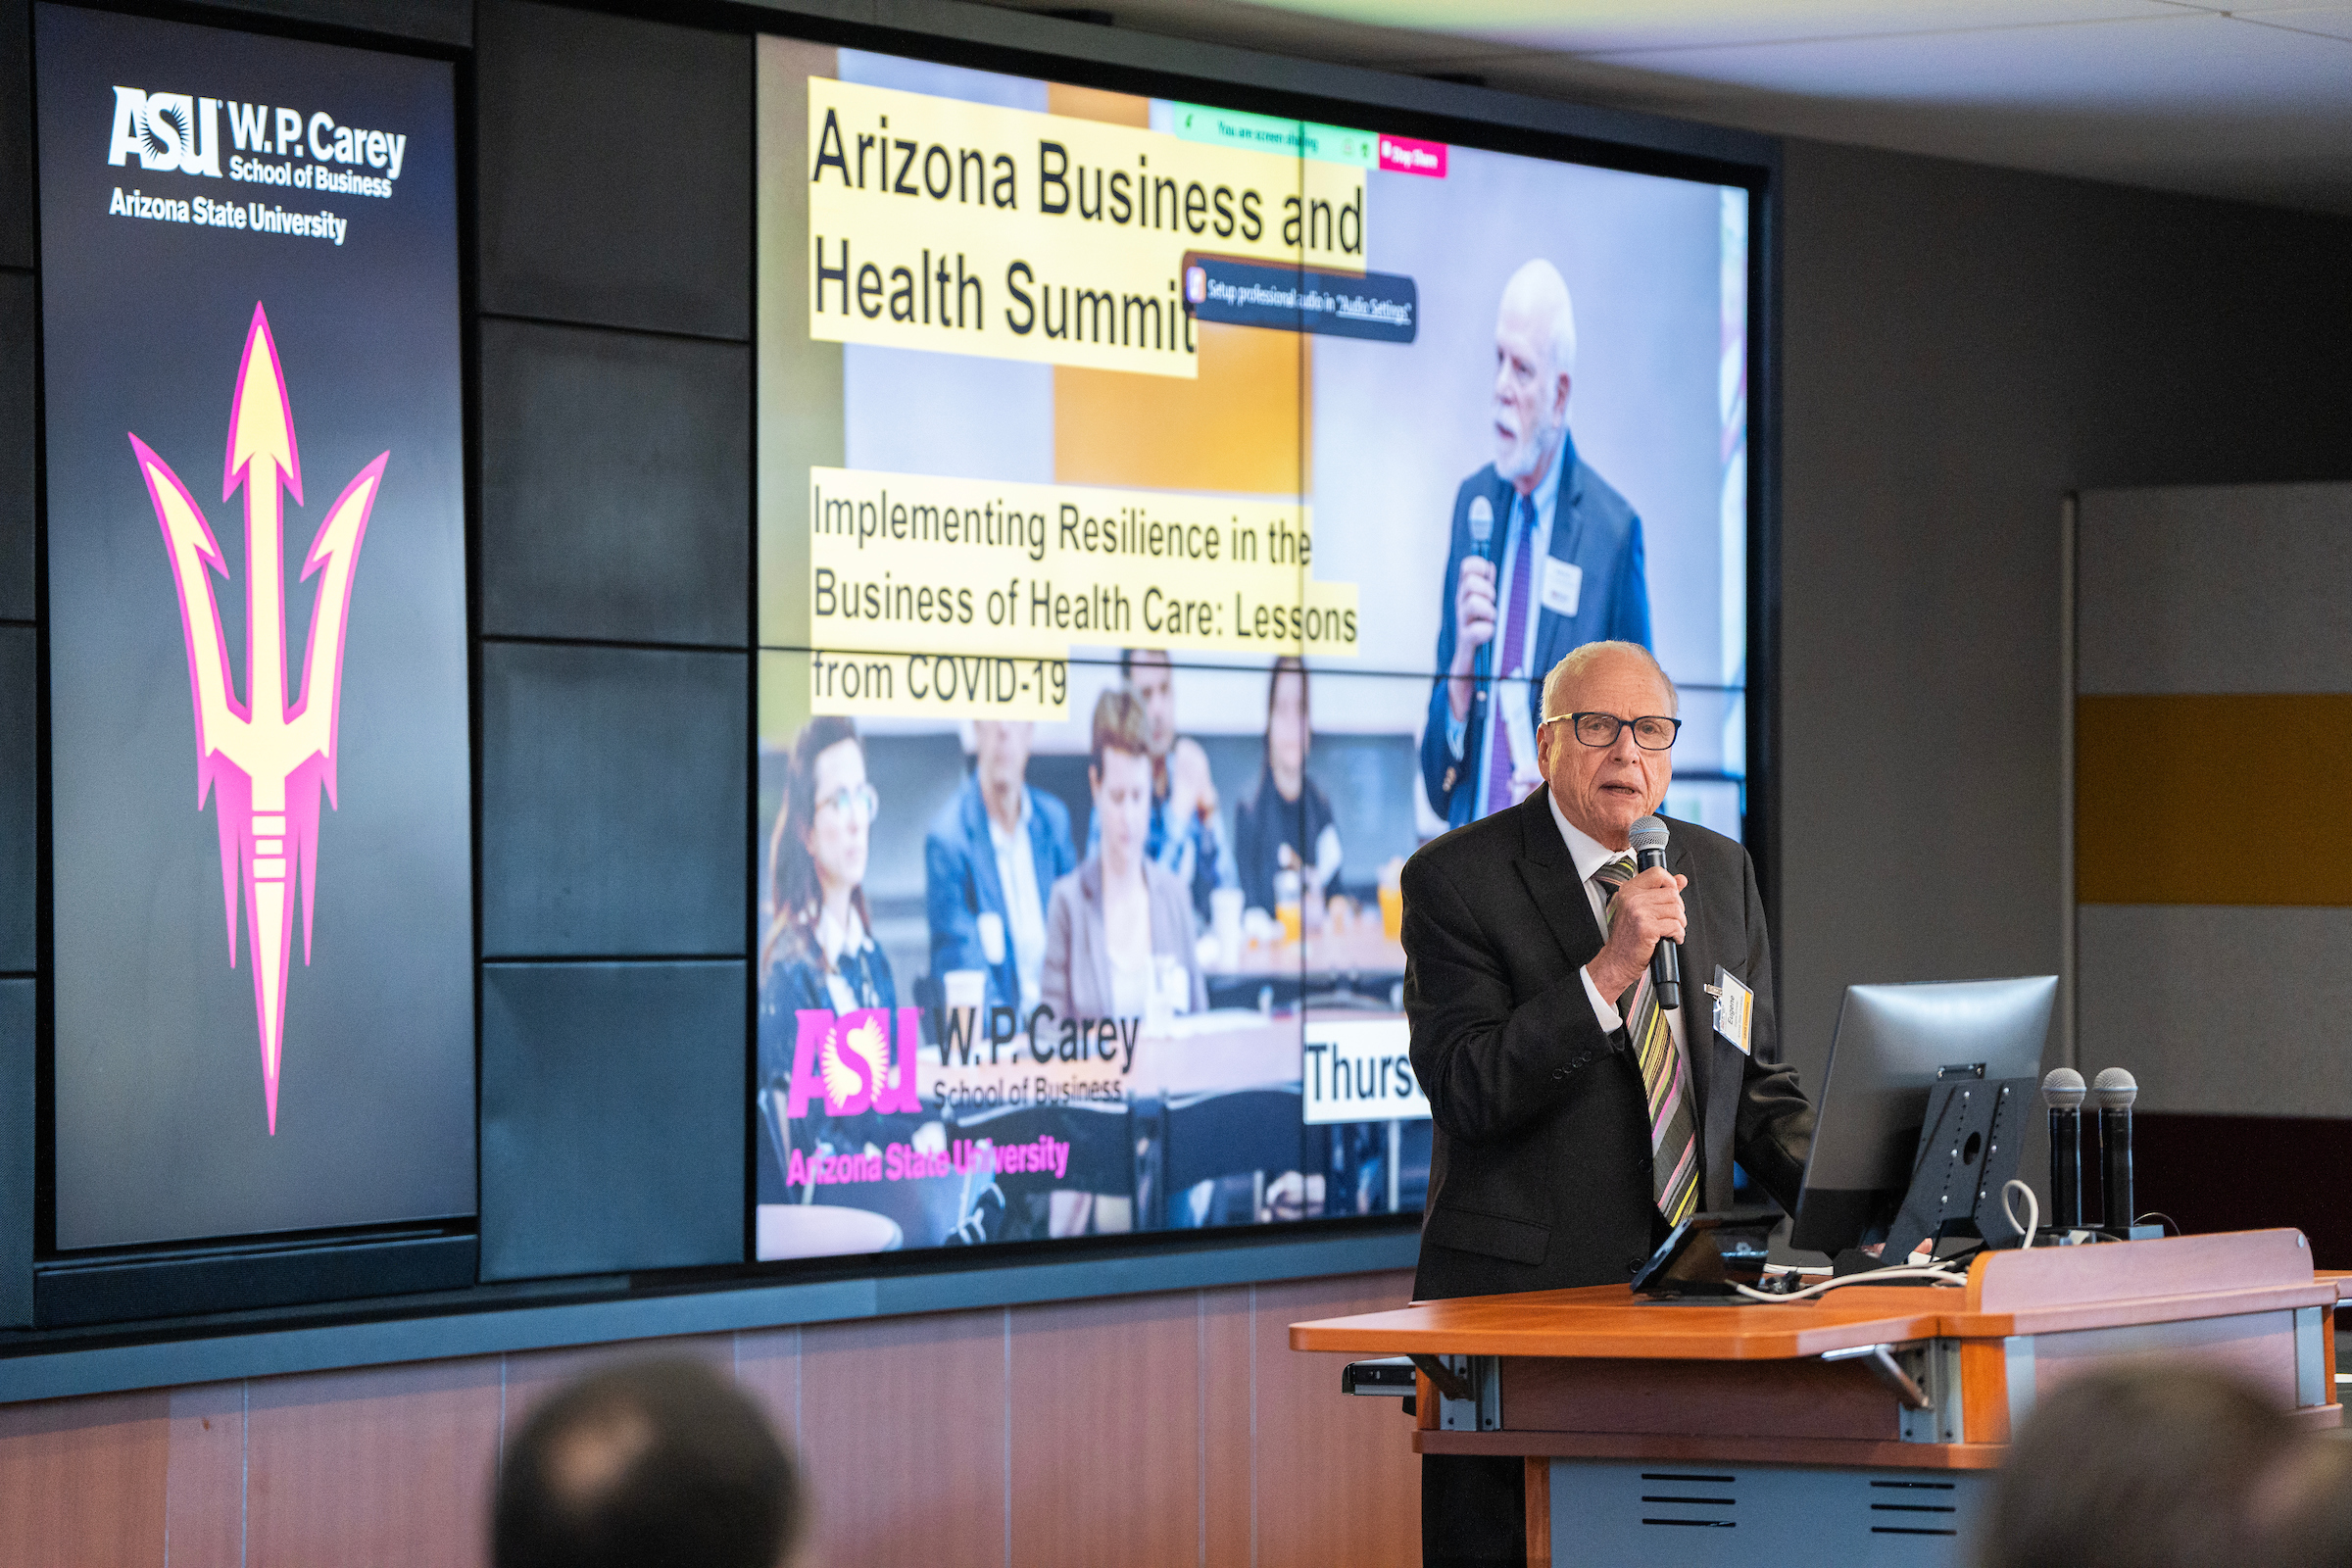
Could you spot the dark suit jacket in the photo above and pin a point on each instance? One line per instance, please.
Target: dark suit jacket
(1594, 528)
(1540, 1176)
(961, 882)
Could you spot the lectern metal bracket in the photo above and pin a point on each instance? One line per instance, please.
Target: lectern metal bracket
(1469, 1391)
(1923, 1377)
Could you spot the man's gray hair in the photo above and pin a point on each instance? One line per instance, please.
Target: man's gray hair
(1570, 669)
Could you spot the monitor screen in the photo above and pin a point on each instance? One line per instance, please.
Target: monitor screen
(1893, 1043)
(1117, 460)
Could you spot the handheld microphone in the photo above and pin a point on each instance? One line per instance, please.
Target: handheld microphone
(1649, 839)
(2115, 1091)
(2062, 1089)
(1482, 536)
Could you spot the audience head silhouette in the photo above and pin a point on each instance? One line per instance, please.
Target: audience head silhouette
(651, 1465)
(2143, 1465)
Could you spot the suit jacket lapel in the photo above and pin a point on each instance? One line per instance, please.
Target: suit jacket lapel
(1550, 879)
(1716, 1069)
(1698, 971)
(1555, 633)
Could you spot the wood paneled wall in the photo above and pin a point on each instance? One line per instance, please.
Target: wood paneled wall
(1145, 1430)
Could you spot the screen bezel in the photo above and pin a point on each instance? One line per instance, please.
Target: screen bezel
(1108, 58)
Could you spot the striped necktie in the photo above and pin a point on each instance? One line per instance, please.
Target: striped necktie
(1509, 658)
(1673, 1131)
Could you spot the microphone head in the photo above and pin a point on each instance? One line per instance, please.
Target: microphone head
(2062, 1088)
(1482, 519)
(1647, 834)
(2114, 1088)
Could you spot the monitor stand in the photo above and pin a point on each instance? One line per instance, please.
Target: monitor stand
(1968, 1151)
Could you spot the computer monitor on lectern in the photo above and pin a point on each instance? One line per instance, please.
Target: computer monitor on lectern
(1894, 1044)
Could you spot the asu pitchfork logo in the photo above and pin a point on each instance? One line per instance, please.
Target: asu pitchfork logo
(265, 759)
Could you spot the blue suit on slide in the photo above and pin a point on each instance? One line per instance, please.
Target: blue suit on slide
(961, 882)
(1593, 528)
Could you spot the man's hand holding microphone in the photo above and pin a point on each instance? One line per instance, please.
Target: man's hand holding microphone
(1473, 628)
(1647, 910)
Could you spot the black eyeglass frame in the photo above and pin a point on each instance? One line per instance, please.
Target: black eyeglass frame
(1574, 728)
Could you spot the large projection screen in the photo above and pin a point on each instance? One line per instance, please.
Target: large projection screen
(1117, 456)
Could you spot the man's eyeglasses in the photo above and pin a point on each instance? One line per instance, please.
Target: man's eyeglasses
(1654, 733)
(857, 802)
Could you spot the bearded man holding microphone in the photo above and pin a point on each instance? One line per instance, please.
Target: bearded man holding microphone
(1545, 555)
(1576, 1118)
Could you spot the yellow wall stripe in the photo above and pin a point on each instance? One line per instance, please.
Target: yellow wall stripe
(2231, 800)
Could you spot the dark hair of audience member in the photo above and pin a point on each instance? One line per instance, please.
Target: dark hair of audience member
(662, 1464)
(2142, 1466)
(2303, 1512)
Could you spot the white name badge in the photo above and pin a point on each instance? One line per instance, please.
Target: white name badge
(1563, 586)
(1734, 1008)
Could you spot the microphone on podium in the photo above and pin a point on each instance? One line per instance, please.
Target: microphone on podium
(1649, 839)
(2062, 1089)
(2115, 1090)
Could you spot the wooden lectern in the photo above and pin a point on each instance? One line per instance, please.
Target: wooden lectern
(1859, 1428)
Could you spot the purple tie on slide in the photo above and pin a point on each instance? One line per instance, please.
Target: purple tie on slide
(1511, 647)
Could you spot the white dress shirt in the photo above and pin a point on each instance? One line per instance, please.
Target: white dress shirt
(1589, 855)
(1024, 911)
(846, 938)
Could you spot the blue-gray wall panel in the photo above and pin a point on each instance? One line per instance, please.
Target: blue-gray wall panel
(613, 1116)
(448, 22)
(616, 802)
(19, 796)
(19, 309)
(16, 134)
(616, 159)
(16, 1154)
(617, 488)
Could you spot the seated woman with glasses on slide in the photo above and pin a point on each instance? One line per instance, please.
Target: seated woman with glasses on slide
(819, 951)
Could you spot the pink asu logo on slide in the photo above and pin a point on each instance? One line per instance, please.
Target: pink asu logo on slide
(267, 761)
(1404, 155)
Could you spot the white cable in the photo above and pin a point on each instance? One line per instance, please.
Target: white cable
(1872, 1277)
(2033, 1212)
(1932, 1271)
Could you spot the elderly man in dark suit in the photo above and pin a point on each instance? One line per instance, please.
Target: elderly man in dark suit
(1545, 557)
(1574, 1119)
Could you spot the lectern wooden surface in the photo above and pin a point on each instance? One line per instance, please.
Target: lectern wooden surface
(2048, 1291)
(1596, 1375)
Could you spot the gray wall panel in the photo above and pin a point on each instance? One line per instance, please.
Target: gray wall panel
(16, 134)
(616, 492)
(20, 799)
(1961, 347)
(2184, 997)
(615, 798)
(2234, 588)
(16, 1170)
(612, 1114)
(20, 372)
(616, 170)
(449, 22)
